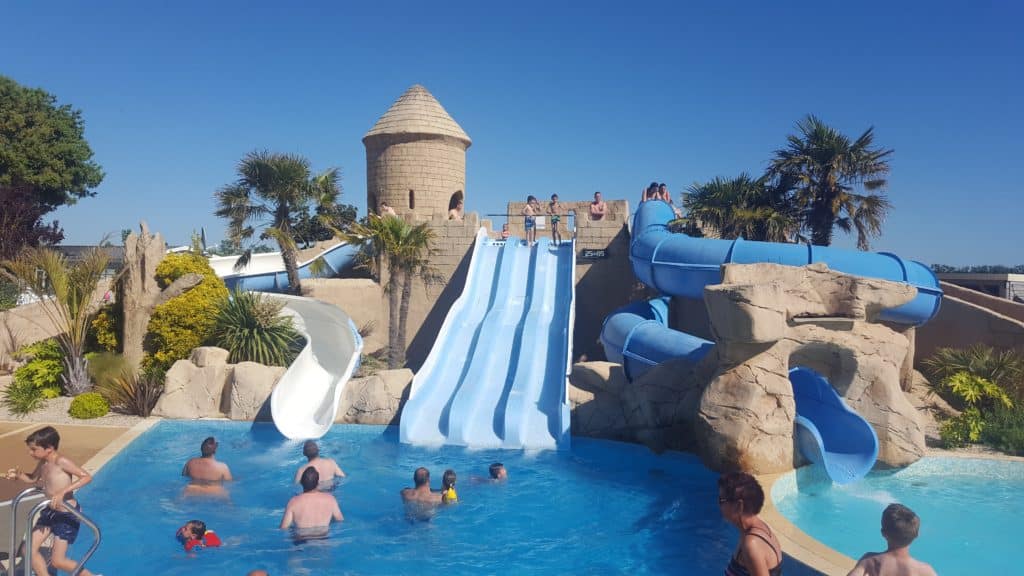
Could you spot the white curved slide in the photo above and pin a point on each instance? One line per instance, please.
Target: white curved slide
(305, 400)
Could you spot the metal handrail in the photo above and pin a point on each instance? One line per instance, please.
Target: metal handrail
(30, 491)
(30, 525)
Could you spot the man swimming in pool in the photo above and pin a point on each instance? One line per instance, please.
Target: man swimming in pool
(420, 501)
(205, 472)
(311, 512)
(327, 468)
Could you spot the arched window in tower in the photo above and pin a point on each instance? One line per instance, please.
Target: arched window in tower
(412, 200)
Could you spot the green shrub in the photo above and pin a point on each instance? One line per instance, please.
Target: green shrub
(131, 393)
(106, 327)
(21, 398)
(182, 323)
(250, 326)
(9, 293)
(1004, 430)
(44, 368)
(1005, 368)
(104, 367)
(88, 405)
(962, 430)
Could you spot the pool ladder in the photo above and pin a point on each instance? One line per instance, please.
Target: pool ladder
(30, 523)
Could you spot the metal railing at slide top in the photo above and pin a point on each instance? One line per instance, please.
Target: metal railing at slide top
(30, 524)
(569, 226)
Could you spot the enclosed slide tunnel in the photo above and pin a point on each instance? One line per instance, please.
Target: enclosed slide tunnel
(638, 337)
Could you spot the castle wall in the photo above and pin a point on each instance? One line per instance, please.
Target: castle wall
(433, 167)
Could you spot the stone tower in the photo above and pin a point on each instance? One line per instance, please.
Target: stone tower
(415, 157)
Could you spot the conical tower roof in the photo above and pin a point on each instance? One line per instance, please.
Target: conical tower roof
(417, 112)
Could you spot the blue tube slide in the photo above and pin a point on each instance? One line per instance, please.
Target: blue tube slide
(259, 278)
(638, 336)
(828, 432)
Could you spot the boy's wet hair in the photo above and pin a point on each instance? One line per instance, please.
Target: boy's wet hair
(310, 449)
(421, 476)
(554, 197)
(495, 469)
(736, 486)
(198, 527)
(900, 525)
(310, 479)
(449, 478)
(46, 437)
(209, 446)
(531, 199)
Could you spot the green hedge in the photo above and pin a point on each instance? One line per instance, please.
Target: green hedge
(89, 405)
(182, 323)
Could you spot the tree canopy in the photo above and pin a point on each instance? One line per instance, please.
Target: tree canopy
(272, 191)
(45, 163)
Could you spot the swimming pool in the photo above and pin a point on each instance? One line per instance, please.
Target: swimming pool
(969, 509)
(604, 507)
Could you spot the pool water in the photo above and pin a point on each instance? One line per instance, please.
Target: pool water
(970, 511)
(601, 508)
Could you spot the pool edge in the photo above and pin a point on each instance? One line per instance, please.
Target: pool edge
(107, 453)
(797, 543)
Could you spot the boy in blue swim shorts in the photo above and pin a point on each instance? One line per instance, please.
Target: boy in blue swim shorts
(530, 219)
(58, 477)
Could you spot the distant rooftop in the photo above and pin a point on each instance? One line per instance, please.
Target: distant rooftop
(417, 112)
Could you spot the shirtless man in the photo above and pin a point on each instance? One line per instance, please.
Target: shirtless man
(312, 511)
(899, 528)
(206, 472)
(421, 492)
(598, 208)
(56, 476)
(327, 468)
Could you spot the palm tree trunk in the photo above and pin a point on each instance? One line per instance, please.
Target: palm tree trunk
(291, 267)
(822, 221)
(403, 312)
(394, 353)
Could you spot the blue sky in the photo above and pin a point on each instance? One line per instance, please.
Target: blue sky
(558, 97)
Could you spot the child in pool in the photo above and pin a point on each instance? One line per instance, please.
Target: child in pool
(448, 495)
(195, 536)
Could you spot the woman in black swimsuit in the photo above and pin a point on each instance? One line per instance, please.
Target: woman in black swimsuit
(759, 553)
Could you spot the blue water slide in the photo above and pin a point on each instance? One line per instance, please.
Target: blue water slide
(638, 336)
(828, 432)
(266, 273)
(424, 418)
(472, 415)
(497, 374)
(537, 413)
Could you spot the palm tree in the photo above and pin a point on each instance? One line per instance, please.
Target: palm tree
(827, 169)
(271, 190)
(755, 209)
(66, 293)
(405, 250)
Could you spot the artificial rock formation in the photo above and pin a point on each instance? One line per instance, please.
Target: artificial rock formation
(206, 386)
(140, 293)
(376, 399)
(735, 408)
